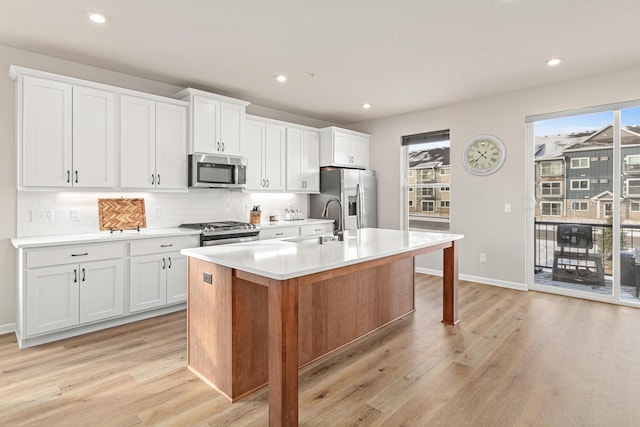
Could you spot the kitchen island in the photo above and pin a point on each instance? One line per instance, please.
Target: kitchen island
(259, 310)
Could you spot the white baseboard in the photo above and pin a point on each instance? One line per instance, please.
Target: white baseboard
(476, 279)
(8, 328)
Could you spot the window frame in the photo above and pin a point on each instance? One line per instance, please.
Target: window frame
(580, 180)
(626, 187)
(560, 193)
(551, 163)
(574, 203)
(587, 159)
(550, 204)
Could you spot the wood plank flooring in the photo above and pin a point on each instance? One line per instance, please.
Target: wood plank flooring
(516, 359)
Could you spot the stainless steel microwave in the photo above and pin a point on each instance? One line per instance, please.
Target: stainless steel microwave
(217, 171)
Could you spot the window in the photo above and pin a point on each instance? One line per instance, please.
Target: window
(551, 208)
(579, 184)
(580, 163)
(444, 203)
(551, 168)
(428, 173)
(551, 189)
(580, 206)
(633, 187)
(428, 206)
(634, 207)
(608, 209)
(632, 163)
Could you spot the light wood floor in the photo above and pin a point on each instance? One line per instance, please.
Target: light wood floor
(516, 359)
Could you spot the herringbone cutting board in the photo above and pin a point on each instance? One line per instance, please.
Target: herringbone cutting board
(121, 214)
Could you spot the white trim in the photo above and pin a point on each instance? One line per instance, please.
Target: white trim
(7, 328)
(583, 294)
(580, 180)
(477, 279)
(579, 167)
(560, 187)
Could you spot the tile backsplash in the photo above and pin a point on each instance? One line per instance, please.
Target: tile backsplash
(50, 213)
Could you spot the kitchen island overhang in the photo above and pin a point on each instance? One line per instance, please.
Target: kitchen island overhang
(257, 311)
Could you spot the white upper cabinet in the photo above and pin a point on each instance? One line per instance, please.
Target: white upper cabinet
(303, 170)
(265, 156)
(67, 135)
(93, 137)
(152, 144)
(344, 148)
(216, 122)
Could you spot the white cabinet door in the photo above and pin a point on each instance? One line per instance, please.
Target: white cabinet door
(311, 161)
(303, 160)
(148, 284)
(171, 146)
(232, 120)
(255, 134)
(360, 151)
(273, 166)
(93, 138)
(137, 142)
(342, 149)
(206, 116)
(52, 298)
(46, 133)
(101, 290)
(176, 277)
(295, 152)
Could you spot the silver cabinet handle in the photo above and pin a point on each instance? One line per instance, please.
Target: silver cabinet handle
(267, 183)
(68, 175)
(153, 179)
(75, 276)
(167, 245)
(223, 146)
(84, 275)
(83, 254)
(169, 262)
(263, 183)
(164, 264)
(76, 172)
(158, 179)
(279, 234)
(317, 229)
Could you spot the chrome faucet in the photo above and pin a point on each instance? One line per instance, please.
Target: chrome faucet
(340, 230)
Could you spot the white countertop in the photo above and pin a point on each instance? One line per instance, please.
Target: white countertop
(283, 259)
(100, 237)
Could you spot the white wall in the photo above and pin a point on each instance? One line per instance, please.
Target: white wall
(172, 208)
(478, 202)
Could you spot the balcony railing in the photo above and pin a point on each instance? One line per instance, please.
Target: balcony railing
(546, 242)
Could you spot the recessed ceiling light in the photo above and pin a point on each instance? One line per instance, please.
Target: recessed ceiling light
(554, 61)
(281, 78)
(98, 18)
(366, 106)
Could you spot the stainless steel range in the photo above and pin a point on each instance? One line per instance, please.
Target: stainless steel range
(223, 232)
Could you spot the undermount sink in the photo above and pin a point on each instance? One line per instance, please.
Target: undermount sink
(318, 240)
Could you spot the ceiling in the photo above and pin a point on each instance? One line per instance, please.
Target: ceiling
(398, 55)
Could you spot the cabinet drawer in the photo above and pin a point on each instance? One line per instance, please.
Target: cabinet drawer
(73, 254)
(163, 244)
(279, 233)
(313, 229)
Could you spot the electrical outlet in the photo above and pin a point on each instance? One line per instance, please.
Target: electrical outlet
(483, 257)
(42, 215)
(157, 212)
(507, 208)
(75, 214)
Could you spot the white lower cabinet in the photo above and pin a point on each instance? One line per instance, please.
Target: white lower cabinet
(158, 272)
(61, 296)
(69, 290)
(157, 279)
(275, 232)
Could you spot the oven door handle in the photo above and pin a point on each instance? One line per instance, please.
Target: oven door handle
(228, 241)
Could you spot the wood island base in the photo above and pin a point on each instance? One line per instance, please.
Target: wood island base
(246, 330)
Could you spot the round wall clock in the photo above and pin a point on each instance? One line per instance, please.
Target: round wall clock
(483, 155)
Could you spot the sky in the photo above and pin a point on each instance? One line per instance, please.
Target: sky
(585, 122)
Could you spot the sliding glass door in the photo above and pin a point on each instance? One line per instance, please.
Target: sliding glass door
(586, 210)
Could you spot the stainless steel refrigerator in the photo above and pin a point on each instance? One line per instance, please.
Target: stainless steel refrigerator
(355, 189)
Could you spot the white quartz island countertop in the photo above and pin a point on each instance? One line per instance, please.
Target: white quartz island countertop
(294, 257)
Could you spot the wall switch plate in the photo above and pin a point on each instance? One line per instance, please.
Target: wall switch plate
(41, 215)
(157, 212)
(75, 214)
(483, 257)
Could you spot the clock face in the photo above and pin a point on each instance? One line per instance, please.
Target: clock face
(483, 155)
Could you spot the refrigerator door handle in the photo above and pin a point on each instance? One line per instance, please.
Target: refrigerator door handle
(358, 206)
